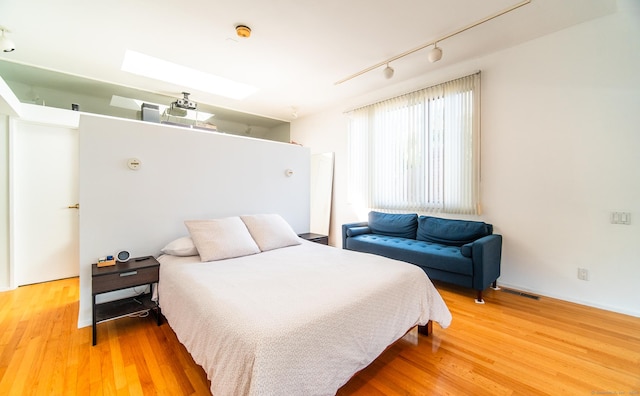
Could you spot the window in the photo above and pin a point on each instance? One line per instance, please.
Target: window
(419, 151)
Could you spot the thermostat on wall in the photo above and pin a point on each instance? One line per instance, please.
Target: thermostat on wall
(134, 163)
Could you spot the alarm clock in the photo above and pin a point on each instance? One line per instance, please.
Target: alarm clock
(123, 256)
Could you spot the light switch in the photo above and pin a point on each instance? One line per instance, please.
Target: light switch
(621, 218)
(625, 218)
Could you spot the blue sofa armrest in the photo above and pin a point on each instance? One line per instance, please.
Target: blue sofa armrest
(348, 226)
(486, 254)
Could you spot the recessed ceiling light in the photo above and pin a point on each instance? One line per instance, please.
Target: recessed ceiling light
(183, 76)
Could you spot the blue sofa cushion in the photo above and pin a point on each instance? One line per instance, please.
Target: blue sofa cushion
(451, 232)
(466, 249)
(353, 231)
(392, 224)
(423, 254)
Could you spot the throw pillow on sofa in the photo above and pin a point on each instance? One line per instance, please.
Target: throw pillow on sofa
(392, 224)
(451, 232)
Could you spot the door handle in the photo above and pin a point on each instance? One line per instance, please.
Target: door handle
(76, 206)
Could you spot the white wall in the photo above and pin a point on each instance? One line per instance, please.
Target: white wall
(280, 133)
(185, 174)
(4, 203)
(9, 106)
(99, 105)
(560, 147)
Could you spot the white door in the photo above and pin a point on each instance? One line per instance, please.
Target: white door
(45, 185)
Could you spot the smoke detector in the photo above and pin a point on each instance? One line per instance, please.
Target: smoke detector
(243, 31)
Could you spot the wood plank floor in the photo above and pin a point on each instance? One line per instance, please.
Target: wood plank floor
(512, 345)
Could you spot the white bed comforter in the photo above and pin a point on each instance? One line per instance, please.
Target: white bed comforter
(299, 320)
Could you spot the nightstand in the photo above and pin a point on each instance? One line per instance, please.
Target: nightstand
(317, 238)
(139, 271)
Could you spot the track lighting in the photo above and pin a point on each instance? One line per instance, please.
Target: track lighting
(435, 54)
(388, 72)
(6, 44)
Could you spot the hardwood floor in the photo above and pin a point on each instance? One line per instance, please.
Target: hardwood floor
(512, 345)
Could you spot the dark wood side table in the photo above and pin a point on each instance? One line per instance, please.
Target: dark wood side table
(317, 238)
(140, 271)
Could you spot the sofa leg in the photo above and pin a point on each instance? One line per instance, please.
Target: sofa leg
(479, 299)
(494, 285)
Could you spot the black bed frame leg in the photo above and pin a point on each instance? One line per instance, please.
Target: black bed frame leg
(494, 285)
(426, 329)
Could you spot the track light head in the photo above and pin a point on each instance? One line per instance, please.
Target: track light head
(6, 44)
(388, 72)
(435, 54)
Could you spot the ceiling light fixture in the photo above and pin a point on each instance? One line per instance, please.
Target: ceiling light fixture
(435, 54)
(388, 72)
(6, 44)
(438, 52)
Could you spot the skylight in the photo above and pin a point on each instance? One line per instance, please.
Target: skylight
(158, 69)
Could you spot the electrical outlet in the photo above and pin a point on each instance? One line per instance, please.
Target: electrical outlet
(583, 274)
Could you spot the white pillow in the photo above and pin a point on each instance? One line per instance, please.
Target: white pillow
(270, 231)
(220, 239)
(181, 247)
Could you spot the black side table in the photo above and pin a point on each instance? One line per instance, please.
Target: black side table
(139, 271)
(318, 238)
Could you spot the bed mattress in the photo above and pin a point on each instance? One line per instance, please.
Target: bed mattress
(299, 320)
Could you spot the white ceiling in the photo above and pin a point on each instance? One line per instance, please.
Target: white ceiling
(298, 48)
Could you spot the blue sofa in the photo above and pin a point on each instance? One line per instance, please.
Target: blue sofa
(465, 253)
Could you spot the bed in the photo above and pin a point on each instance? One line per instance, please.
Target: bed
(300, 319)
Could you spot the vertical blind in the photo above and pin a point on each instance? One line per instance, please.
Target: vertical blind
(419, 151)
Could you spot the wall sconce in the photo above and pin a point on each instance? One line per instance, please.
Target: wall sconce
(134, 163)
(6, 44)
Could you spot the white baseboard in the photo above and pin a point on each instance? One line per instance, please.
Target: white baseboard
(605, 307)
(84, 323)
